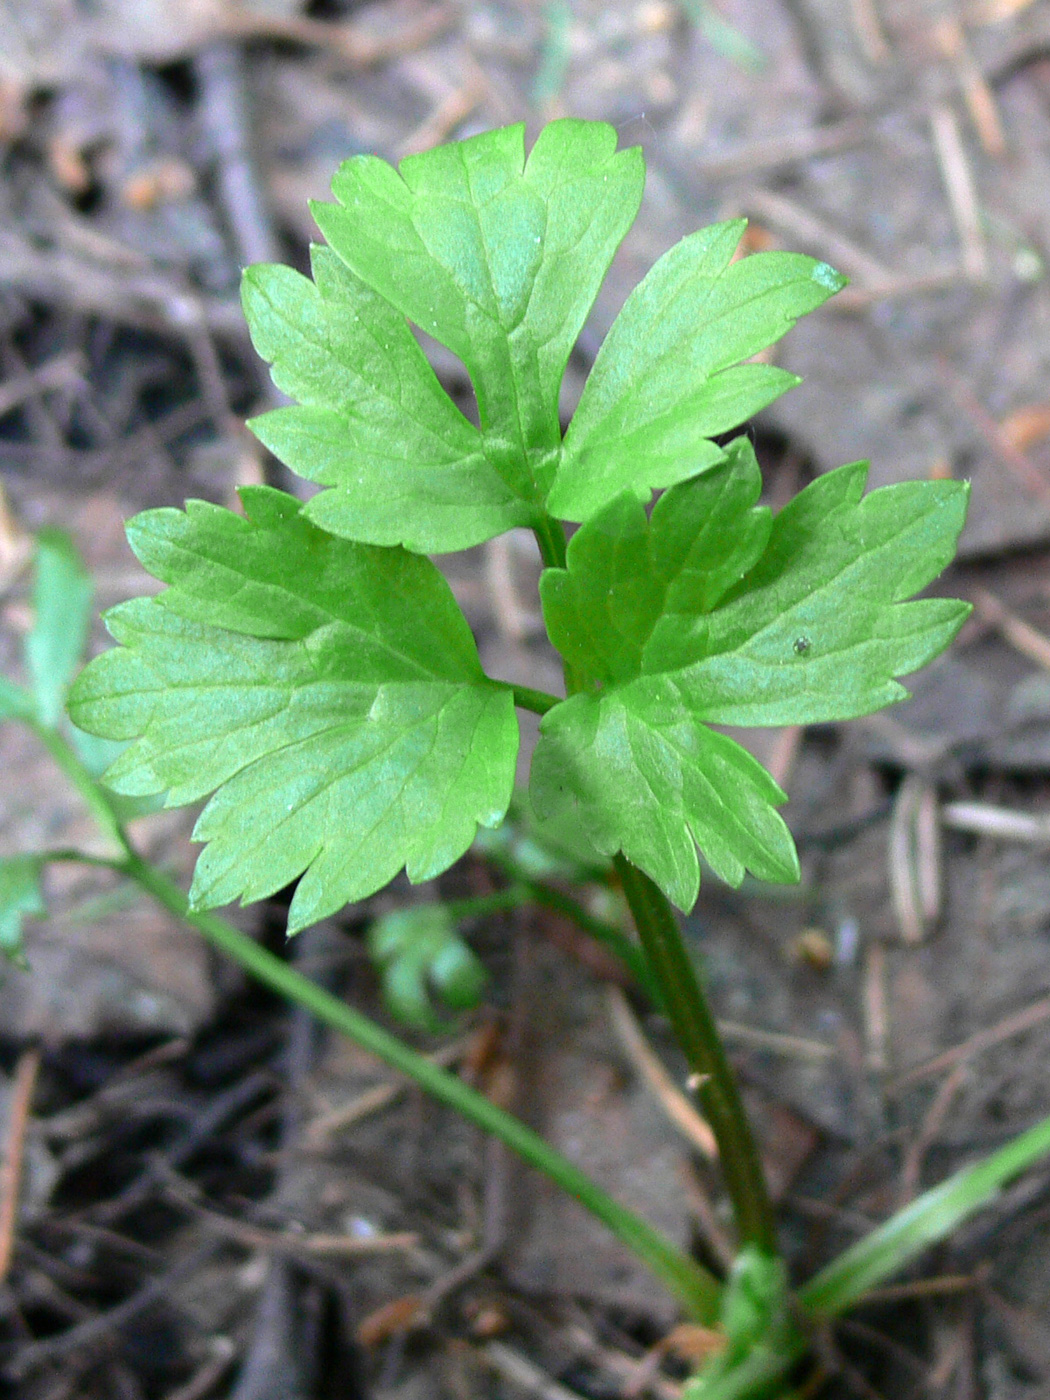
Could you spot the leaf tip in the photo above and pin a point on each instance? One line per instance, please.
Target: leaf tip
(827, 277)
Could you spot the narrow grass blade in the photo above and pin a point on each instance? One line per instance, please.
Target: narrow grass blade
(926, 1221)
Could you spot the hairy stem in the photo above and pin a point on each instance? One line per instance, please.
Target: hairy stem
(694, 1028)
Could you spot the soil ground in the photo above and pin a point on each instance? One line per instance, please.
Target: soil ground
(219, 1201)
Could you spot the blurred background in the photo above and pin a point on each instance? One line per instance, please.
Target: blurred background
(219, 1202)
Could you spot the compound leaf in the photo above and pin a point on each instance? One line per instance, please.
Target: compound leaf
(62, 616)
(500, 259)
(707, 612)
(667, 377)
(328, 694)
(20, 895)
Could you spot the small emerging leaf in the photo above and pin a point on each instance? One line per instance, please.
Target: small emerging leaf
(757, 1322)
(20, 896)
(329, 694)
(62, 615)
(421, 957)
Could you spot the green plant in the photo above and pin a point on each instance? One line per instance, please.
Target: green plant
(308, 667)
(423, 959)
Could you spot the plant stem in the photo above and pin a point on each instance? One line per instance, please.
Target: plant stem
(68, 760)
(550, 536)
(538, 701)
(477, 906)
(611, 937)
(694, 1287)
(694, 1027)
(888, 1249)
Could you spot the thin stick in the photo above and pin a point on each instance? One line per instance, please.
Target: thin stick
(939, 1287)
(931, 1126)
(287, 1242)
(803, 224)
(875, 1032)
(853, 299)
(514, 619)
(207, 1376)
(961, 189)
(999, 823)
(224, 111)
(524, 1374)
(793, 1046)
(786, 746)
(778, 151)
(379, 1097)
(680, 1112)
(349, 41)
(1017, 1024)
(455, 107)
(1025, 638)
(904, 884)
(1016, 462)
(869, 30)
(14, 1150)
(56, 373)
(951, 39)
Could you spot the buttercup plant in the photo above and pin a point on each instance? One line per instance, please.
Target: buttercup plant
(308, 671)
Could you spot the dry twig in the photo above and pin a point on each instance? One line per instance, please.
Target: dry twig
(525, 1374)
(371, 1101)
(961, 189)
(1021, 1021)
(998, 823)
(806, 226)
(911, 1171)
(915, 858)
(679, 1111)
(875, 1022)
(1025, 638)
(790, 149)
(950, 38)
(868, 26)
(20, 1103)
